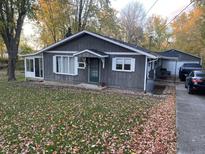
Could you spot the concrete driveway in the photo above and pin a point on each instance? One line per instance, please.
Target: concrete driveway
(190, 121)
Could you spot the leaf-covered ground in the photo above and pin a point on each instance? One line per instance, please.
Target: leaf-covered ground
(58, 120)
(158, 134)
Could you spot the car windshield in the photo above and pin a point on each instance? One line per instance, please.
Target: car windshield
(192, 65)
(200, 74)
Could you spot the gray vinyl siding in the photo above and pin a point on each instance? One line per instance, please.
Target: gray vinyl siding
(49, 75)
(89, 42)
(123, 80)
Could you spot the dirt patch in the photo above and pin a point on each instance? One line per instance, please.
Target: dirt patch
(159, 89)
(158, 134)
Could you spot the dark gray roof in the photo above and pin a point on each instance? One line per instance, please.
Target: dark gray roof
(182, 56)
(129, 44)
(132, 47)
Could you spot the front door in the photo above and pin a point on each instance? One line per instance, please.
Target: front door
(94, 70)
(38, 67)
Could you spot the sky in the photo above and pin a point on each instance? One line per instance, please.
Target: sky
(166, 8)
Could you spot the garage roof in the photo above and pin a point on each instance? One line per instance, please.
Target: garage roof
(181, 55)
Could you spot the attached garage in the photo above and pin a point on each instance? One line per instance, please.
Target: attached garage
(173, 59)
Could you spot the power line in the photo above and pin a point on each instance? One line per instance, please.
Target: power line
(176, 15)
(150, 9)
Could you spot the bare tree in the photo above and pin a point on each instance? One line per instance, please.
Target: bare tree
(132, 20)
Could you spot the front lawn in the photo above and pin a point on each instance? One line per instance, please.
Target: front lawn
(39, 119)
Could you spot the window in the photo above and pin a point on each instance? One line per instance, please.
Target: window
(81, 63)
(58, 64)
(127, 64)
(200, 74)
(119, 64)
(123, 64)
(29, 65)
(65, 65)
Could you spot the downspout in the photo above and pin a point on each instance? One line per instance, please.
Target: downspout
(43, 67)
(175, 72)
(145, 76)
(25, 68)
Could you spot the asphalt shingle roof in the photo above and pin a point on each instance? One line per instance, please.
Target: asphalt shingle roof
(180, 55)
(129, 44)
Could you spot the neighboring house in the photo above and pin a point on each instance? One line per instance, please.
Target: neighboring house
(173, 59)
(87, 57)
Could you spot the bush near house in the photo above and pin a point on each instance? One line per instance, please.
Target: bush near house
(3, 63)
(20, 65)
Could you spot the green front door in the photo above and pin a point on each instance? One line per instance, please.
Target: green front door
(94, 70)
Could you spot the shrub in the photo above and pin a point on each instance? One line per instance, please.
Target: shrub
(20, 65)
(3, 60)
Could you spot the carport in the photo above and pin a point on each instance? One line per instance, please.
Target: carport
(170, 62)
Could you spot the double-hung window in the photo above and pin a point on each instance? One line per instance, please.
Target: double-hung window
(65, 65)
(123, 64)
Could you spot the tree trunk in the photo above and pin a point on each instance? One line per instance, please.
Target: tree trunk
(12, 53)
(80, 15)
(11, 68)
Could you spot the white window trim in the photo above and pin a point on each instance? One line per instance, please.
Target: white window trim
(75, 65)
(84, 63)
(32, 64)
(32, 74)
(132, 69)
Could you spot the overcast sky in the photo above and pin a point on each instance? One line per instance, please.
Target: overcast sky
(165, 8)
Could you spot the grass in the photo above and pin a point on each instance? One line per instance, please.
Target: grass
(39, 119)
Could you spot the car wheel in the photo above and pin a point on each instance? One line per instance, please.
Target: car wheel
(189, 90)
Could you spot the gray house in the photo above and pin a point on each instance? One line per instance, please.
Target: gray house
(87, 57)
